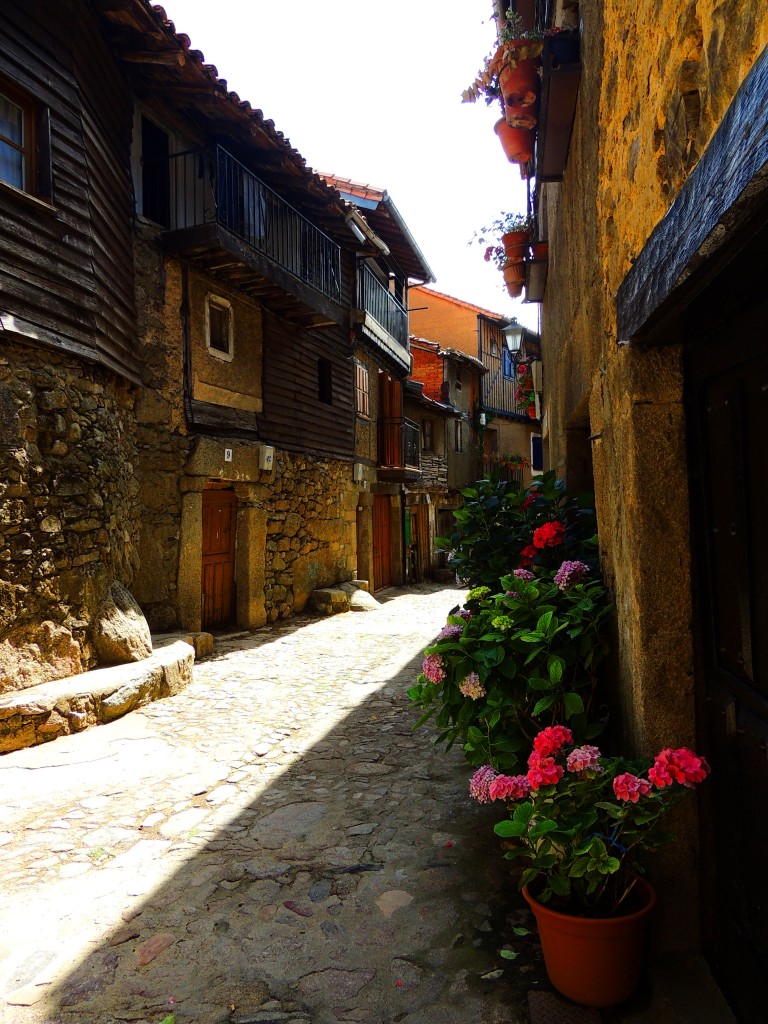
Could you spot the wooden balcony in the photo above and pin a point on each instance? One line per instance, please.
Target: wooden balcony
(561, 75)
(398, 450)
(224, 219)
(383, 319)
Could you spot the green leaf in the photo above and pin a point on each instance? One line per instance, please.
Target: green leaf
(509, 954)
(609, 866)
(559, 884)
(537, 683)
(521, 931)
(574, 705)
(555, 667)
(424, 718)
(542, 827)
(542, 705)
(543, 624)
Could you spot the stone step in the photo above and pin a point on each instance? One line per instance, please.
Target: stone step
(49, 710)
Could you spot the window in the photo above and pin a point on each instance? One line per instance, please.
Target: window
(325, 381)
(362, 391)
(155, 173)
(507, 364)
(457, 382)
(427, 442)
(458, 442)
(24, 142)
(537, 453)
(218, 327)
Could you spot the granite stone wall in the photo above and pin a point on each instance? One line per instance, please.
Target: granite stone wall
(68, 508)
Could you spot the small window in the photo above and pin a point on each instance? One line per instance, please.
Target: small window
(458, 441)
(362, 391)
(457, 382)
(24, 142)
(155, 173)
(427, 442)
(537, 453)
(218, 327)
(325, 381)
(508, 364)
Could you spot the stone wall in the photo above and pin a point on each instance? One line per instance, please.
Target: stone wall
(68, 508)
(656, 83)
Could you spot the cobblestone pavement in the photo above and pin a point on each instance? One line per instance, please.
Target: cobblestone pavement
(275, 845)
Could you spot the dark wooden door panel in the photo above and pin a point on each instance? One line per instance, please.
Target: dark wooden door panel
(382, 542)
(219, 511)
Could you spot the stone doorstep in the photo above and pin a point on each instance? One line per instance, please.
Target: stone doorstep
(44, 712)
(201, 641)
(343, 597)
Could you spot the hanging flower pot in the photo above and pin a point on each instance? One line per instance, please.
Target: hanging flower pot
(539, 250)
(517, 143)
(515, 244)
(521, 117)
(514, 273)
(532, 415)
(519, 85)
(594, 961)
(515, 290)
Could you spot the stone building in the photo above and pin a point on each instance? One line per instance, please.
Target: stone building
(501, 418)
(650, 182)
(176, 379)
(386, 439)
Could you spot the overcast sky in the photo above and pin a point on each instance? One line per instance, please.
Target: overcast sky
(373, 93)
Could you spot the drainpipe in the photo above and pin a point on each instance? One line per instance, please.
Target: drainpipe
(186, 342)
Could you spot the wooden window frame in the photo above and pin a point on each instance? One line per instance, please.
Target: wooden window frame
(427, 435)
(36, 147)
(219, 303)
(362, 391)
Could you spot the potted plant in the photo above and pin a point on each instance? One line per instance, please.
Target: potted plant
(582, 824)
(511, 71)
(518, 143)
(514, 231)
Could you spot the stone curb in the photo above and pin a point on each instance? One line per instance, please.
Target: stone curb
(45, 712)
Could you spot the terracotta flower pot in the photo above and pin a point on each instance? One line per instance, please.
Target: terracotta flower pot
(594, 961)
(521, 117)
(514, 273)
(520, 85)
(539, 250)
(532, 416)
(517, 143)
(515, 244)
(515, 290)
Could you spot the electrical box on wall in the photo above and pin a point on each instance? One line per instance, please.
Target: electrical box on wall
(266, 456)
(358, 472)
(227, 454)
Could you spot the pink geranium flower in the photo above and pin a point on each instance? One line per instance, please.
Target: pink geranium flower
(549, 740)
(581, 759)
(479, 784)
(681, 765)
(509, 787)
(543, 771)
(630, 787)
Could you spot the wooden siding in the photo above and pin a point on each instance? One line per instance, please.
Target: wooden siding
(294, 418)
(66, 272)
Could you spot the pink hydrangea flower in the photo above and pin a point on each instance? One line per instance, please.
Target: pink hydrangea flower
(509, 787)
(450, 631)
(570, 573)
(581, 759)
(680, 765)
(629, 787)
(550, 740)
(524, 574)
(433, 669)
(543, 771)
(471, 686)
(480, 783)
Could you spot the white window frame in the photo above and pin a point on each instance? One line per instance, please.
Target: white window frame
(223, 304)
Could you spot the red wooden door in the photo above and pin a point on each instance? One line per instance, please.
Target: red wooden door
(219, 509)
(382, 542)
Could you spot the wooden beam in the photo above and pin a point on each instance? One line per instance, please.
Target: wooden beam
(171, 58)
(712, 206)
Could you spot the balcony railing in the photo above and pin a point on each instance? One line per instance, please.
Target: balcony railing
(219, 189)
(381, 304)
(399, 443)
(503, 470)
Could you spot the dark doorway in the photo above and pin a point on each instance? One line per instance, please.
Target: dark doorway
(727, 414)
(382, 542)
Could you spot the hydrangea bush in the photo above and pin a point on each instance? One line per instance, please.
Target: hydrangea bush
(501, 526)
(509, 663)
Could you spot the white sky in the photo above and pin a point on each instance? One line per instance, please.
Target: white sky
(372, 92)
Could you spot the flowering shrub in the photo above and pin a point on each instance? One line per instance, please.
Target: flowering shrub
(512, 661)
(496, 530)
(496, 254)
(583, 822)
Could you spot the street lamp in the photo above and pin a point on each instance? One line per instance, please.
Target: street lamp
(513, 336)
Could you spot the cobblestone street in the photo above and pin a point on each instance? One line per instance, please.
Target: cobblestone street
(274, 844)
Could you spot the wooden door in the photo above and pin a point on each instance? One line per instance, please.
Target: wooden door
(727, 379)
(218, 603)
(382, 542)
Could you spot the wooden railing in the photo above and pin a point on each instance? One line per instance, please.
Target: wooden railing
(382, 305)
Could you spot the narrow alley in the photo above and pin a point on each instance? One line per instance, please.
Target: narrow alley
(273, 844)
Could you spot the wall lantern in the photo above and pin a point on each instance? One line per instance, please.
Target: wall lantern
(513, 336)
